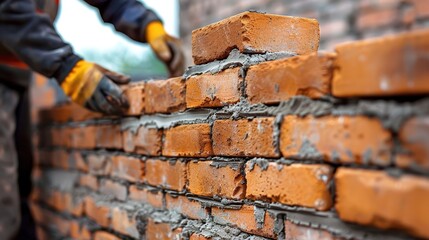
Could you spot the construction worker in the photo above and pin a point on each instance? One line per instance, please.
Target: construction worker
(28, 40)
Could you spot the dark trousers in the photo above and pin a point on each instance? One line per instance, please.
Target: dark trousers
(16, 154)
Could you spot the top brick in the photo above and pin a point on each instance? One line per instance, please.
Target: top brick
(252, 32)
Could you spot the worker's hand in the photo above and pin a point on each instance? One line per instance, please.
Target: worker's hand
(167, 48)
(93, 87)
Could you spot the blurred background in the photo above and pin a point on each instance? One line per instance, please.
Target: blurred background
(340, 21)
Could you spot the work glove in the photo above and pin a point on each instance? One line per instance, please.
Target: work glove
(167, 48)
(94, 87)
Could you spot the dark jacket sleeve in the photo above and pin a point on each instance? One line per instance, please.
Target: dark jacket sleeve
(127, 16)
(32, 38)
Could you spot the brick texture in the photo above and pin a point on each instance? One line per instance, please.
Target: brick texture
(113, 189)
(166, 174)
(153, 197)
(255, 33)
(294, 231)
(296, 184)
(374, 198)
(245, 137)
(135, 92)
(336, 139)
(245, 219)
(143, 140)
(128, 168)
(165, 96)
(276, 81)
(362, 69)
(185, 206)
(213, 179)
(415, 139)
(214, 90)
(188, 140)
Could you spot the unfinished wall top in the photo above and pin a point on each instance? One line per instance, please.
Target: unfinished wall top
(253, 32)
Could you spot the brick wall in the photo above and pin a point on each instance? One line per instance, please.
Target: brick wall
(340, 21)
(289, 144)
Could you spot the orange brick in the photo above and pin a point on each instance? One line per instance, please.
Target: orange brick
(191, 140)
(345, 139)
(252, 32)
(66, 202)
(109, 136)
(79, 231)
(385, 66)
(294, 231)
(214, 90)
(160, 231)
(245, 220)
(190, 208)
(70, 112)
(167, 174)
(78, 161)
(123, 221)
(146, 141)
(165, 96)
(276, 81)
(82, 137)
(97, 211)
(128, 168)
(371, 197)
(61, 225)
(414, 136)
(114, 189)
(297, 184)
(100, 164)
(209, 178)
(196, 236)
(105, 236)
(376, 18)
(42, 234)
(89, 181)
(135, 92)
(149, 196)
(245, 137)
(58, 158)
(58, 137)
(421, 8)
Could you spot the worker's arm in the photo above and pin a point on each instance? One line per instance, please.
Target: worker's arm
(141, 24)
(32, 38)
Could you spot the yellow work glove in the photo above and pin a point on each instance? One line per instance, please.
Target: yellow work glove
(167, 48)
(93, 87)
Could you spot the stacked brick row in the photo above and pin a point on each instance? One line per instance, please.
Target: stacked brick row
(340, 21)
(265, 138)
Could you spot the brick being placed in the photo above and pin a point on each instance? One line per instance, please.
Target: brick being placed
(253, 32)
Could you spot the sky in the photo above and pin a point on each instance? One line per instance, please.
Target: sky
(81, 26)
